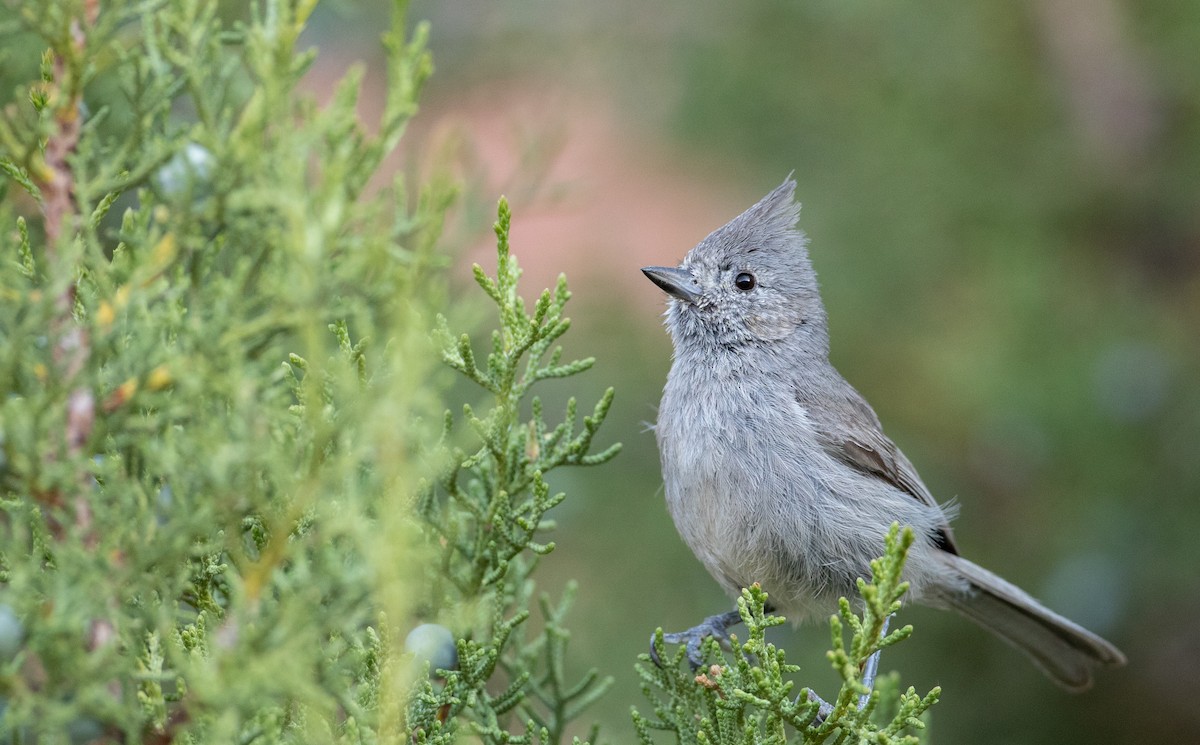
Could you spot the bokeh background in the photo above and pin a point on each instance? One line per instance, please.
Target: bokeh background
(1003, 201)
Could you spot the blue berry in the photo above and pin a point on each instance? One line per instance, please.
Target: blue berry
(434, 644)
(12, 633)
(186, 173)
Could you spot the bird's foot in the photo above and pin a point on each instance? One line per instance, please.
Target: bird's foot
(824, 708)
(715, 626)
(870, 670)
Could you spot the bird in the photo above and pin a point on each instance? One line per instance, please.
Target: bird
(778, 472)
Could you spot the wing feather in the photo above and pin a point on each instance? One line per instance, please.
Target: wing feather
(853, 434)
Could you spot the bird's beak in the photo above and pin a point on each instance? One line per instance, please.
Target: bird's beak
(675, 282)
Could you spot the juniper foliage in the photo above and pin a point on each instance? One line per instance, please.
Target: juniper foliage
(203, 457)
(484, 514)
(746, 697)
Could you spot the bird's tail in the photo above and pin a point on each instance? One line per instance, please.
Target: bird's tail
(1061, 648)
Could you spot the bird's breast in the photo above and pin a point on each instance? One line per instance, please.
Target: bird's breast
(737, 474)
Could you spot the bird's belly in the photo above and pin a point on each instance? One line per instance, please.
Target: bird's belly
(744, 500)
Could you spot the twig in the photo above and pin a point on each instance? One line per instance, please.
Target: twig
(72, 344)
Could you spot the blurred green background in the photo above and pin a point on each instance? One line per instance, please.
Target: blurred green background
(1003, 201)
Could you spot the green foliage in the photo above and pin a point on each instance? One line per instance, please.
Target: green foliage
(746, 697)
(220, 407)
(483, 515)
(215, 365)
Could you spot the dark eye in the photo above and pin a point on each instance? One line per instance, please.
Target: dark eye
(744, 281)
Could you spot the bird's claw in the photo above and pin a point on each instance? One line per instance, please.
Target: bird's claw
(824, 708)
(869, 671)
(693, 639)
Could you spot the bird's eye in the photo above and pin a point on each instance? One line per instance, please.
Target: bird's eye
(744, 281)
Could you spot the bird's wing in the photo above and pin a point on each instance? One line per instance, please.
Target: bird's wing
(849, 430)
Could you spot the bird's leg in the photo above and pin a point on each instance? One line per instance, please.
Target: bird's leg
(871, 668)
(715, 626)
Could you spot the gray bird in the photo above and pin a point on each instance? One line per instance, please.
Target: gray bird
(777, 471)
